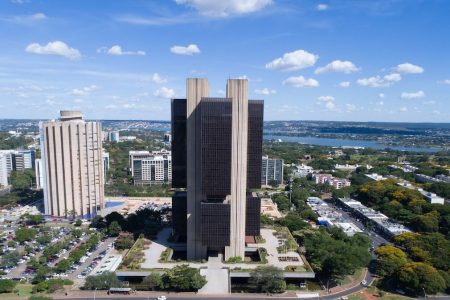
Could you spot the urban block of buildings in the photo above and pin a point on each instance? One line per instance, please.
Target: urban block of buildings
(407, 168)
(429, 179)
(348, 167)
(216, 157)
(329, 179)
(329, 216)
(272, 171)
(302, 170)
(381, 222)
(150, 167)
(72, 166)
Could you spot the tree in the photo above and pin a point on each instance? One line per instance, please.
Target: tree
(416, 277)
(104, 281)
(268, 279)
(78, 223)
(63, 265)
(293, 221)
(390, 259)
(77, 233)
(114, 228)
(124, 241)
(152, 281)
(21, 180)
(427, 223)
(282, 202)
(114, 216)
(7, 285)
(33, 219)
(10, 259)
(183, 278)
(98, 222)
(24, 234)
(265, 220)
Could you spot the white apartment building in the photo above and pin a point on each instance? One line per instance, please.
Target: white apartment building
(151, 167)
(3, 170)
(72, 164)
(337, 183)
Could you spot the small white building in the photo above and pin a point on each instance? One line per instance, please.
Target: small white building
(376, 177)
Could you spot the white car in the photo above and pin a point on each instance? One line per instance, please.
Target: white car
(81, 276)
(364, 283)
(162, 298)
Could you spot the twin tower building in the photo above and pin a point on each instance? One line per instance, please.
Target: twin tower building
(216, 162)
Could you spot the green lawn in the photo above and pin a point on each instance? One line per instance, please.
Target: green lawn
(349, 279)
(24, 290)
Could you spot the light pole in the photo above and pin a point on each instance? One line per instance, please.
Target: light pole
(290, 190)
(423, 289)
(95, 291)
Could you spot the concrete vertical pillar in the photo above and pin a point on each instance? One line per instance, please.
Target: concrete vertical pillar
(237, 90)
(196, 88)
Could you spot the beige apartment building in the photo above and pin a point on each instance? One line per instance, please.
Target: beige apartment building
(72, 164)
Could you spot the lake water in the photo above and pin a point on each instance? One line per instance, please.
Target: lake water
(344, 143)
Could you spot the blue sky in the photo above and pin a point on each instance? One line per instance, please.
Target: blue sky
(352, 60)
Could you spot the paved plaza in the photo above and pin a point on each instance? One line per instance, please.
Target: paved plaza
(153, 253)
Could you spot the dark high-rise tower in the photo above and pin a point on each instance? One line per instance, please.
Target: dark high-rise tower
(216, 154)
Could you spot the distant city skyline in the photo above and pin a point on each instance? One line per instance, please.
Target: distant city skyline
(342, 60)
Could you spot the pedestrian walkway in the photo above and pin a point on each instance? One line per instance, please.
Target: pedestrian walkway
(217, 277)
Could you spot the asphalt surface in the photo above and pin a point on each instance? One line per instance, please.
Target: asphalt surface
(101, 247)
(377, 240)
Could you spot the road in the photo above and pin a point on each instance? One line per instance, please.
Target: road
(377, 240)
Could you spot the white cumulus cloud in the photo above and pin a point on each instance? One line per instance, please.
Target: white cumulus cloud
(381, 95)
(164, 92)
(156, 78)
(185, 50)
(54, 48)
(265, 91)
(224, 8)
(414, 95)
(340, 66)
(446, 81)
(408, 68)
(344, 84)
(330, 106)
(300, 82)
(322, 6)
(378, 81)
(84, 91)
(291, 61)
(325, 98)
(117, 50)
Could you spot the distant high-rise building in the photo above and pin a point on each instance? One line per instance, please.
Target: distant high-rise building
(24, 159)
(105, 165)
(151, 168)
(72, 162)
(15, 160)
(114, 136)
(167, 138)
(39, 174)
(217, 146)
(272, 171)
(4, 169)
